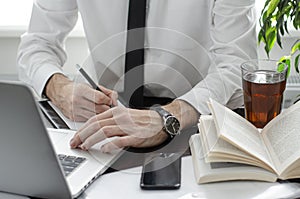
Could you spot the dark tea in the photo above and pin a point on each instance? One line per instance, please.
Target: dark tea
(262, 97)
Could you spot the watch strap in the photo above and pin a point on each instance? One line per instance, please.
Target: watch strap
(164, 114)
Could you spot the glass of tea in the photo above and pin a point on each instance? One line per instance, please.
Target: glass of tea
(263, 86)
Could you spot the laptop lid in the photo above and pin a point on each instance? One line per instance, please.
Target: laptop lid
(29, 165)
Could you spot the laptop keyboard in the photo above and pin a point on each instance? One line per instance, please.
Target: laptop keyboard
(70, 163)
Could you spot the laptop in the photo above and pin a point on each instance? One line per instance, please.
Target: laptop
(36, 161)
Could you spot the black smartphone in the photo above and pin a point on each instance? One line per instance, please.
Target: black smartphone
(161, 171)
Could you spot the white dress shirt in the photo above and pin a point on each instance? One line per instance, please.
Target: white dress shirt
(193, 47)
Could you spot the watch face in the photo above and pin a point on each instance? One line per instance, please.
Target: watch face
(172, 125)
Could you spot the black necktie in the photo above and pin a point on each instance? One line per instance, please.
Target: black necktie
(134, 60)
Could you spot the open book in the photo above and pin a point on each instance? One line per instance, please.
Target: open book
(225, 137)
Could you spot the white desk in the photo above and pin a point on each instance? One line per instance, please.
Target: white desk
(125, 184)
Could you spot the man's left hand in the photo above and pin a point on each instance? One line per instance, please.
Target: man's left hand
(130, 127)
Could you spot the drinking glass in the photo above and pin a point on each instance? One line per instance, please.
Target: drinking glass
(264, 82)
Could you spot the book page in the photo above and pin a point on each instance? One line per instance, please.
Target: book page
(222, 171)
(282, 137)
(213, 143)
(239, 132)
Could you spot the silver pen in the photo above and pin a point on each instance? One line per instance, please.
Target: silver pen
(89, 79)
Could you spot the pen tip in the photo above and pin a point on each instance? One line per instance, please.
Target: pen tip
(77, 66)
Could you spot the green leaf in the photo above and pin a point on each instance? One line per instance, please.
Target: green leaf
(286, 60)
(281, 30)
(295, 23)
(267, 50)
(273, 22)
(271, 37)
(260, 37)
(295, 47)
(279, 39)
(265, 7)
(272, 6)
(280, 67)
(264, 17)
(286, 27)
(297, 63)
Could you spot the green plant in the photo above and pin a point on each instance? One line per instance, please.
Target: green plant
(274, 20)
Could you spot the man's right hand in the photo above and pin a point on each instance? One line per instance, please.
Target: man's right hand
(78, 101)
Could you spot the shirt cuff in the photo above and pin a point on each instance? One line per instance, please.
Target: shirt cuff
(199, 102)
(42, 75)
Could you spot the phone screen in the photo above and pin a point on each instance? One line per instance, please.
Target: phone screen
(161, 171)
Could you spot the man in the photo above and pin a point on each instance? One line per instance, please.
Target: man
(193, 51)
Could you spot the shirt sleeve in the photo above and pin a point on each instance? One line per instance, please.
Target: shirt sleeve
(233, 32)
(41, 51)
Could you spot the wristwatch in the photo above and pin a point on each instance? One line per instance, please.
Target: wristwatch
(171, 123)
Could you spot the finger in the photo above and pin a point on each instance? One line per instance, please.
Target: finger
(103, 133)
(115, 103)
(117, 143)
(102, 98)
(114, 98)
(83, 103)
(115, 112)
(101, 108)
(99, 117)
(102, 116)
(86, 124)
(94, 128)
(96, 97)
(88, 112)
(106, 91)
(112, 94)
(83, 113)
(78, 119)
(75, 141)
(95, 119)
(87, 130)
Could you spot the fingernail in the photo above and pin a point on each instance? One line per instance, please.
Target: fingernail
(103, 149)
(72, 144)
(83, 147)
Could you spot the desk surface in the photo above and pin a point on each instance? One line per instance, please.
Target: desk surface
(125, 184)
